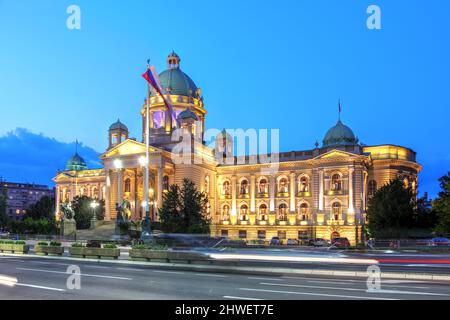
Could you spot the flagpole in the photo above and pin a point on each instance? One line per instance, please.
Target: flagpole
(145, 233)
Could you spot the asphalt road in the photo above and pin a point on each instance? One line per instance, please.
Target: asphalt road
(39, 278)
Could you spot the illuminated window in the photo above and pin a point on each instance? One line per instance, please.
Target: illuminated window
(263, 186)
(283, 185)
(244, 187)
(226, 189)
(226, 212)
(282, 212)
(336, 209)
(262, 212)
(303, 211)
(336, 182)
(114, 139)
(244, 212)
(159, 119)
(303, 185)
(207, 184)
(166, 183)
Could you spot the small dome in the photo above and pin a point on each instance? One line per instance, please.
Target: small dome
(224, 134)
(339, 135)
(118, 125)
(76, 163)
(187, 114)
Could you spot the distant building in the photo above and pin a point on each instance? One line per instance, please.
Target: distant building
(22, 195)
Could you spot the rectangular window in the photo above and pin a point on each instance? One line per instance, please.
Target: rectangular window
(242, 234)
(282, 234)
(262, 234)
(224, 233)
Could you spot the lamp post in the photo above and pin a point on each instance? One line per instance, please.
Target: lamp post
(94, 205)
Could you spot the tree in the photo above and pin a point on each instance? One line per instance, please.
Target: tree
(44, 208)
(184, 209)
(4, 218)
(391, 210)
(441, 206)
(84, 212)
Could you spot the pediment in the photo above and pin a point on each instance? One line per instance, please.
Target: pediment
(128, 147)
(337, 154)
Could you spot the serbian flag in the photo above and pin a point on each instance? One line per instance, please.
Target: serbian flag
(152, 78)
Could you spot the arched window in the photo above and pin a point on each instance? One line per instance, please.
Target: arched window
(244, 187)
(127, 185)
(303, 211)
(262, 212)
(166, 183)
(336, 209)
(159, 119)
(226, 212)
(283, 185)
(336, 182)
(226, 189)
(282, 212)
(95, 192)
(303, 185)
(263, 186)
(244, 212)
(372, 187)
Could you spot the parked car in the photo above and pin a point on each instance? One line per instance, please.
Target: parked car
(318, 242)
(439, 242)
(293, 242)
(276, 241)
(4, 233)
(340, 242)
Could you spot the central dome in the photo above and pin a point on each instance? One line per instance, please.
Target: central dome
(175, 81)
(339, 135)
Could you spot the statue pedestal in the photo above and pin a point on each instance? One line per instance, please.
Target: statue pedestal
(69, 227)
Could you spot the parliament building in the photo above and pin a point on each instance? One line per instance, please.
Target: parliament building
(317, 193)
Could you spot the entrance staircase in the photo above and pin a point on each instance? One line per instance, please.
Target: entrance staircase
(105, 231)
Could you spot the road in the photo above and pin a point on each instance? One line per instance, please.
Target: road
(39, 278)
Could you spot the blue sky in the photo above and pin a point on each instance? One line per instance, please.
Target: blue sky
(261, 64)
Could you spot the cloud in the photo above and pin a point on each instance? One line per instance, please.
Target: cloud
(35, 158)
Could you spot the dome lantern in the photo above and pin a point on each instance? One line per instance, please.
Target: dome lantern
(173, 61)
(117, 133)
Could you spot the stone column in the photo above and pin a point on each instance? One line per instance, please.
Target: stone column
(108, 197)
(320, 190)
(64, 195)
(351, 208)
(119, 186)
(58, 200)
(252, 193)
(159, 183)
(233, 196)
(292, 192)
(272, 194)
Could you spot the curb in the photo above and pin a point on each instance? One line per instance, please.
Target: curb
(247, 270)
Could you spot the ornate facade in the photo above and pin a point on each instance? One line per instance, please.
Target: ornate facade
(320, 193)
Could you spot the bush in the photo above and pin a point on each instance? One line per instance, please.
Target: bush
(20, 242)
(77, 245)
(31, 226)
(55, 244)
(93, 244)
(109, 246)
(42, 243)
(150, 246)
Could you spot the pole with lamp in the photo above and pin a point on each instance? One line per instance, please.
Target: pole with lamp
(94, 206)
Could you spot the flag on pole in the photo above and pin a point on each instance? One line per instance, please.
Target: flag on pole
(152, 78)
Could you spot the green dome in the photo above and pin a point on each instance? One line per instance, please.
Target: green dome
(339, 135)
(118, 126)
(187, 114)
(176, 82)
(76, 163)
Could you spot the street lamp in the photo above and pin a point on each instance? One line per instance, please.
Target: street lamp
(94, 205)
